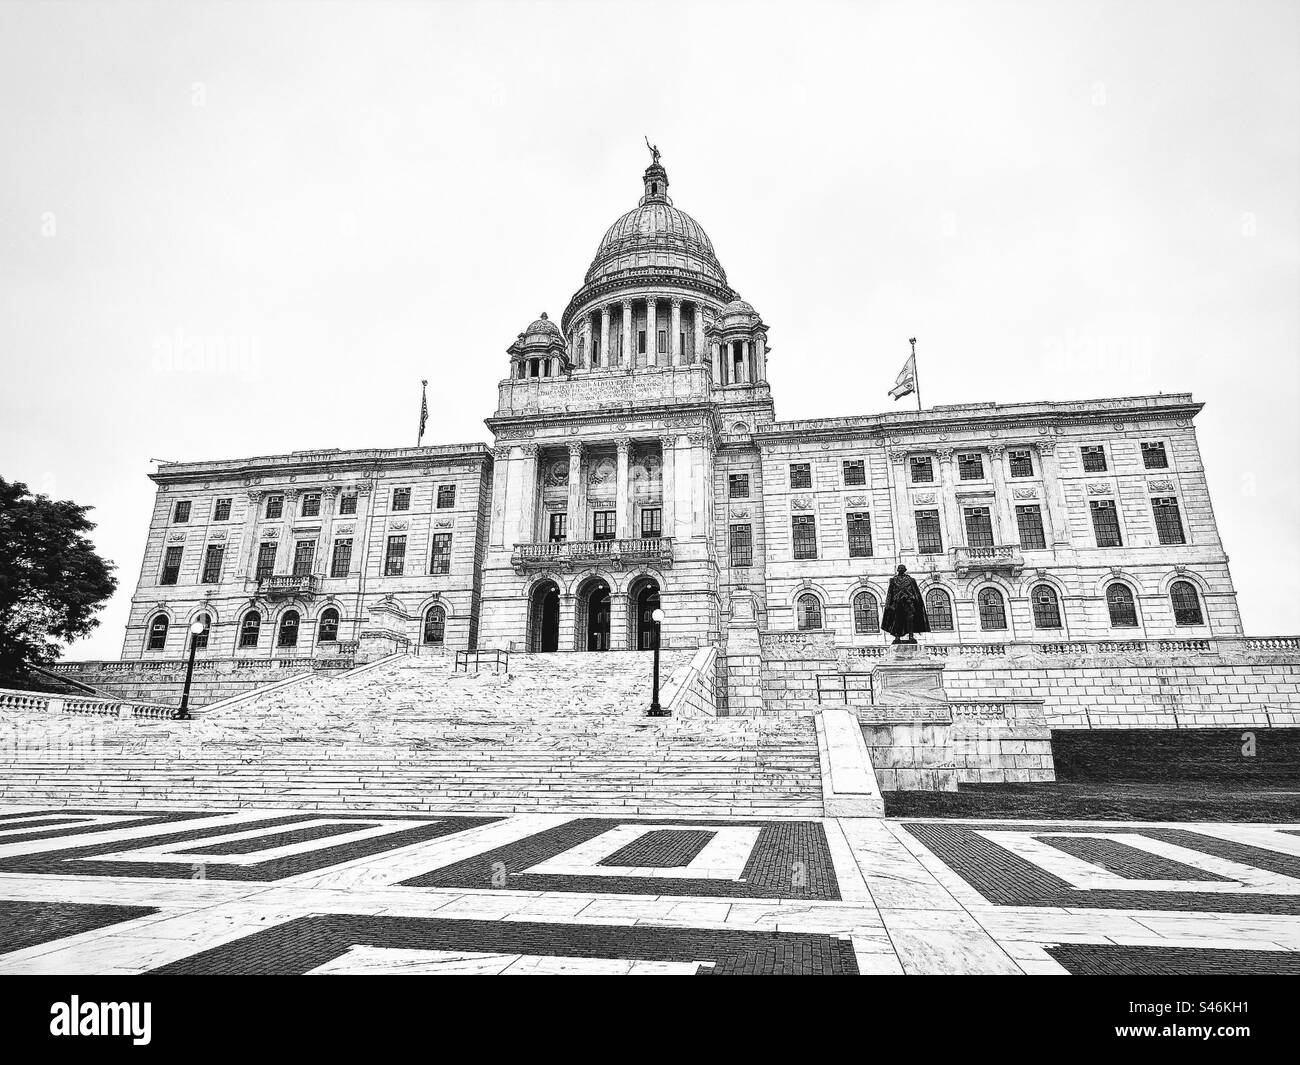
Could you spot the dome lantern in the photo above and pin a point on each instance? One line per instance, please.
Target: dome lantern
(539, 351)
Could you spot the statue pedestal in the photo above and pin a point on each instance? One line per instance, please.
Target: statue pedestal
(907, 676)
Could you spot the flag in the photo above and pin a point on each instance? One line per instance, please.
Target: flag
(424, 410)
(905, 383)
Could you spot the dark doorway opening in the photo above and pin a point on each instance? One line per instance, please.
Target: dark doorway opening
(597, 616)
(544, 618)
(646, 599)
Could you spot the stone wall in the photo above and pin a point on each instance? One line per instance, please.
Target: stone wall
(214, 678)
(691, 690)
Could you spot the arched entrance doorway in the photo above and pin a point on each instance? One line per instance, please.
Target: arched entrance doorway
(544, 617)
(645, 601)
(593, 616)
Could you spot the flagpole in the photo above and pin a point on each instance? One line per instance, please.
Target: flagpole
(424, 409)
(916, 375)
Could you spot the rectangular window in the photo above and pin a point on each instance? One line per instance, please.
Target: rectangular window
(1169, 522)
(929, 538)
(171, 570)
(1105, 523)
(922, 470)
(663, 341)
(182, 512)
(274, 506)
(1029, 520)
(395, 557)
(640, 341)
(800, 475)
(221, 512)
(1094, 458)
(1021, 464)
(804, 528)
(559, 528)
(855, 472)
(311, 505)
(970, 466)
(651, 523)
(401, 499)
(348, 503)
(681, 342)
(859, 535)
(304, 552)
(979, 527)
(446, 496)
(212, 563)
(738, 486)
(742, 545)
(341, 562)
(265, 560)
(440, 561)
(602, 525)
(1154, 457)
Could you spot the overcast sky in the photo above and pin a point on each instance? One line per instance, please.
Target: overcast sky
(1061, 201)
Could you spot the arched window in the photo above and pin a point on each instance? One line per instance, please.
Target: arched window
(993, 610)
(435, 625)
(866, 613)
(809, 611)
(1047, 608)
(328, 629)
(1119, 602)
(288, 629)
(1187, 604)
(158, 633)
(938, 610)
(201, 640)
(250, 629)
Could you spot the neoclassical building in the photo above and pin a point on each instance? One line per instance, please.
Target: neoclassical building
(637, 461)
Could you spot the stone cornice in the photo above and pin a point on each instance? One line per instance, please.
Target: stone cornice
(316, 463)
(1028, 419)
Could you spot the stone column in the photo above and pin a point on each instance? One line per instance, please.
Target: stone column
(697, 464)
(500, 487)
(952, 516)
(698, 355)
(618, 624)
(1007, 532)
(528, 504)
(904, 532)
(651, 332)
(622, 516)
(674, 337)
(575, 527)
(746, 365)
(667, 471)
(246, 563)
(328, 495)
(715, 356)
(568, 618)
(629, 356)
(1057, 515)
(604, 335)
(760, 359)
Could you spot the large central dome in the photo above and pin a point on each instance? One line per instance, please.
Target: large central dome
(656, 235)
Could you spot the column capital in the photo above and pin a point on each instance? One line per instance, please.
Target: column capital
(1045, 447)
(364, 488)
(667, 440)
(677, 302)
(501, 453)
(530, 450)
(256, 495)
(623, 446)
(330, 491)
(897, 455)
(997, 448)
(575, 449)
(944, 453)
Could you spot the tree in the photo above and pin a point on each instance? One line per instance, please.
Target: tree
(52, 581)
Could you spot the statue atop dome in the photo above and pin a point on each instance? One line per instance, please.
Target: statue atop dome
(654, 152)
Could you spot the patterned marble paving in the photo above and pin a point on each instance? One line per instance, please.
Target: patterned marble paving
(248, 891)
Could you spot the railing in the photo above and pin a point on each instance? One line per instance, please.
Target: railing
(287, 586)
(45, 702)
(498, 660)
(842, 684)
(656, 550)
(1003, 559)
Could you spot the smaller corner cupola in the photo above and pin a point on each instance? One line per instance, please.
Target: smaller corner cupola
(737, 337)
(539, 351)
(655, 179)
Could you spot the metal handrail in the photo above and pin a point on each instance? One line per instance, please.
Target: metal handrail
(500, 660)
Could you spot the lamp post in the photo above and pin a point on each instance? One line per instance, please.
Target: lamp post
(196, 630)
(655, 709)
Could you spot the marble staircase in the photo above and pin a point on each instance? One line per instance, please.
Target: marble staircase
(561, 732)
